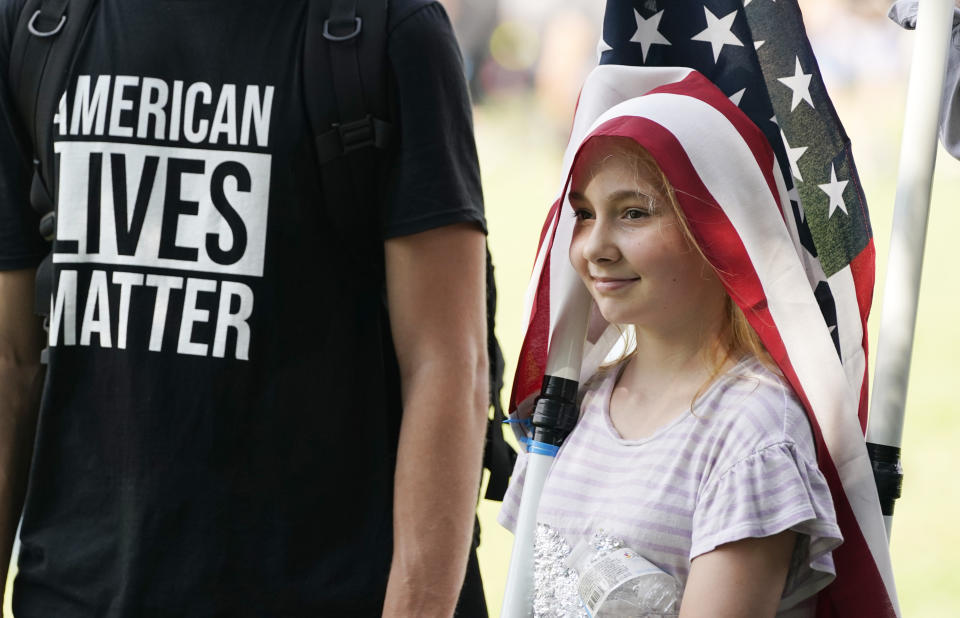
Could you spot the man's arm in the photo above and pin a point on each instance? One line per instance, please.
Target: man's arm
(21, 377)
(743, 579)
(436, 298)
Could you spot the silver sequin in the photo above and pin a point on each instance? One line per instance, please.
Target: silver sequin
(601, 541)
(554, 581)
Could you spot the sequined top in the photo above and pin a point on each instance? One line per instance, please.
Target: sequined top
(740, 464)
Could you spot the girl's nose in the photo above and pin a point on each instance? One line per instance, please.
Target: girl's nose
(599, 246)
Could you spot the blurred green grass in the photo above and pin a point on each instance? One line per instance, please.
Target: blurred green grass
(520, 163)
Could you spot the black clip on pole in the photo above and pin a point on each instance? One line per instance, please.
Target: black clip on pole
(555, 413)
(887, 473)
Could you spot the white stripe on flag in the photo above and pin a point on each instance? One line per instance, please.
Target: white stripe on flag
(850, 327)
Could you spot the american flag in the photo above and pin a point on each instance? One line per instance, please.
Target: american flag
(757, 53)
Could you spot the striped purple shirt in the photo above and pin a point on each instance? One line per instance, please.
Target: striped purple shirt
(741, 464)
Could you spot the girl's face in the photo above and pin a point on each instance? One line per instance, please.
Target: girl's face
(630, 250)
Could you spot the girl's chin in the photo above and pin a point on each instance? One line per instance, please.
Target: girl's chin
(615, 316)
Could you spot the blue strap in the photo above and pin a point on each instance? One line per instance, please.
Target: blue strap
(541, 448)
(526, 422)
(533, 446)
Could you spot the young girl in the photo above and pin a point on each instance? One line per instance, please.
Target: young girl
(692, 449)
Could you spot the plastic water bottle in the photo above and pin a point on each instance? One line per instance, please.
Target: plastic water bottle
(617, 582)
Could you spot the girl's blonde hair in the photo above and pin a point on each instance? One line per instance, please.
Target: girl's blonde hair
(737, 338)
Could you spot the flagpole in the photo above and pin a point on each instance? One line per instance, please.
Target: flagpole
(555, 414)
(918, 150)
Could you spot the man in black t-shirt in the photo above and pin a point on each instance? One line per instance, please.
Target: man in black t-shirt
(237, 419)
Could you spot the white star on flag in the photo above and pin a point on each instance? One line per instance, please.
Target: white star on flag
(834, 189)
(794, 155)
(737, 96)
(648, 32)
(718, 32)
(799, 84)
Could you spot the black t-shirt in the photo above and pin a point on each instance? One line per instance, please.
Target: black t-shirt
(218, 430)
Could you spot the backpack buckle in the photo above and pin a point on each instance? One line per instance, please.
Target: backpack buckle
(357, 26)
(356, 134)
(346, 137)
(33, 30)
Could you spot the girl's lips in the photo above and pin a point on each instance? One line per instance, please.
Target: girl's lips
(608, 284)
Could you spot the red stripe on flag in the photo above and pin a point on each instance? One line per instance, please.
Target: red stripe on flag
(863, 268)
(548, 224)
(532, 361)
(699, 87)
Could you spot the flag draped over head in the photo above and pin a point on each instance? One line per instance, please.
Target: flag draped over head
(758, 54)
(808, 304)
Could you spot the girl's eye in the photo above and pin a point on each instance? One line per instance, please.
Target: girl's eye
(635, 213)
(581, 214)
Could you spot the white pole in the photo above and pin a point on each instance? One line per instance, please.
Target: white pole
(518, 596)
(563, 361)
(918, 151)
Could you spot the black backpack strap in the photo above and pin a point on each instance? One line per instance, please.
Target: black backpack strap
(345, 45)
(39, 27)
(352, 128)
(42, 52)
(41, 55)
(498, 456)
(355, 36)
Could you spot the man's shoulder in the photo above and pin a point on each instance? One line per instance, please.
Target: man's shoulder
(404, 15)
(420, 36)
(398, 10)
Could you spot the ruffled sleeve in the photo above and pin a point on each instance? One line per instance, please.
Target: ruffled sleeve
(768, 491)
